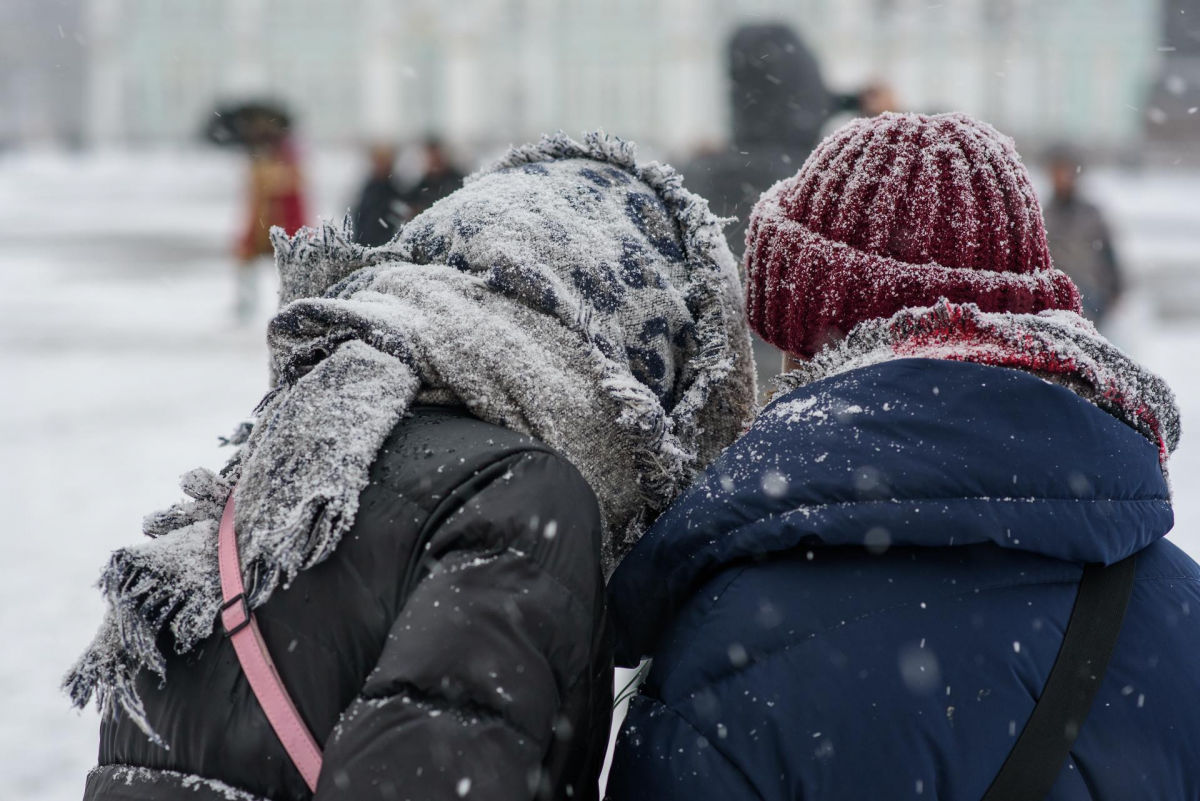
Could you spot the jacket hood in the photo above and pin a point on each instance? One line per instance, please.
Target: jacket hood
(908, 452)
(777, 92)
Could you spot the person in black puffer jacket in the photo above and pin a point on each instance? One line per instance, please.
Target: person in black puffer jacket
(471, 426)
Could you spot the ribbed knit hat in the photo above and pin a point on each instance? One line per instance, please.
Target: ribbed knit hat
(892, 212)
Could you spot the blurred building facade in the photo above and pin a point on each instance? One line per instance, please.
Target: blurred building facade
(483, 72)
(42, 55)
(1175, 104)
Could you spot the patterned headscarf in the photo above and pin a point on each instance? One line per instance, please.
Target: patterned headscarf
(566, 292)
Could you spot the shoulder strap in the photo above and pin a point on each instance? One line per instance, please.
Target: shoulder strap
(1037, 757)
(242, 630)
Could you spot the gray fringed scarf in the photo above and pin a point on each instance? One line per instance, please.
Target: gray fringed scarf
(1060, 346)
(565, 292)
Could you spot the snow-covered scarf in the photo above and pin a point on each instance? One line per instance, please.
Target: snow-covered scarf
(566, 292)
(1058, 345)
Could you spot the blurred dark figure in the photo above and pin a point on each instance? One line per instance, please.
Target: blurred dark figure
(440, 178)
(382, 206)
(778, 103)
(1080, 243)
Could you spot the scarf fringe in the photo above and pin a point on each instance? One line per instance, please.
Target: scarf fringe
(116, 691)
(208, 491)
(141, 603)
(314, 260)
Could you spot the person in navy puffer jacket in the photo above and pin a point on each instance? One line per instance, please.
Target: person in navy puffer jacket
(863, 596)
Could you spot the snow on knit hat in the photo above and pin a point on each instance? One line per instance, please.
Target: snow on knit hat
(893, 212)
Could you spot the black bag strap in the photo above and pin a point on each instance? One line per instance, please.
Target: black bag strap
(1037, 757)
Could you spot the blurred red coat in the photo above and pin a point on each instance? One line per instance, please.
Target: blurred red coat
(276, 197)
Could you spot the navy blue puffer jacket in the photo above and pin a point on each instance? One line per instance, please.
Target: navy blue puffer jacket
(863, 597)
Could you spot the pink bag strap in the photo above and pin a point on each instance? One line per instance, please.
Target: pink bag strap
(242, 630)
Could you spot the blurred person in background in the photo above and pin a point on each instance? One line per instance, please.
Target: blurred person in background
(778, 104)
(875, 98)
(473, 424)
(274, 196)
(439, 177)
(381, 207)
(1080, 242)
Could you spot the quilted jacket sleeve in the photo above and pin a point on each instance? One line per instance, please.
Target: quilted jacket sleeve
(501, 625)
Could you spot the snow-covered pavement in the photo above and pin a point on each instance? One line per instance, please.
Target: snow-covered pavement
(122, 366)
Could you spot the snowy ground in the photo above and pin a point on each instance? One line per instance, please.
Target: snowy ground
(123, 366)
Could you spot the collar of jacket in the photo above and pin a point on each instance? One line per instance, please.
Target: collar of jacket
(909, 452)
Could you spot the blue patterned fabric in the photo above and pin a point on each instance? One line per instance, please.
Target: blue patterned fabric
(627, 251)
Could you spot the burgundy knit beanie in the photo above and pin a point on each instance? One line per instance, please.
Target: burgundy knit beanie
(892, 212)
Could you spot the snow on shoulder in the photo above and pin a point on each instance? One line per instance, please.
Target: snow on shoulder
(1057, 345)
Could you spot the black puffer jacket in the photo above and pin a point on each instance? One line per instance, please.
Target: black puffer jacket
(453, 645)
